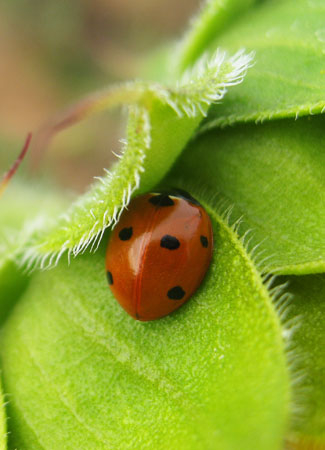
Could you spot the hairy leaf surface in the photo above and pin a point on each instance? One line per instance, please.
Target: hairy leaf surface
(308, 340)
(215, 16)
(3, 423)
(83, 374)
(288, 78)
(274, 177)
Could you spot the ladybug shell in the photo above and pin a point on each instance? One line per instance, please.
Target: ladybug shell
(158, 254)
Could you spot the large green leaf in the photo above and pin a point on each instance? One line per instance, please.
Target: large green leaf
(274, 177)
(3, 423)
(83, 374)
(308, 342)
(288, 78)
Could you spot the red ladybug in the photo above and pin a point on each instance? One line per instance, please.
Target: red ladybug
(159, 253)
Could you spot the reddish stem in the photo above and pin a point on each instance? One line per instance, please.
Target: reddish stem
(11, 172)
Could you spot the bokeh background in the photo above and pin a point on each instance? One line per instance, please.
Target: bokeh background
(52, 52)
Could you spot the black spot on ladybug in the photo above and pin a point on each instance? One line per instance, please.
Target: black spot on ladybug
(161, 200)
(110, 277)
(176, 293)
(204, 241)
(180, 193)
(169, 242)
(125, 234)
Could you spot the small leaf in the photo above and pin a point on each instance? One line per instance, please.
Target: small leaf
(161, 121)
(215, 16)
(3, 423)
(81, 373)
(308, 341)
(288, 78)
(273, 177)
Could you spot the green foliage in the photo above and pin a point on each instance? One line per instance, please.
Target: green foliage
(215, 16)
(288, 78)
(83, 374)
(3, 425)
(12, 284)
(161, 121)
(26, 208)
(224, 371)
(24, 200)
(273, 176)
(309, 304)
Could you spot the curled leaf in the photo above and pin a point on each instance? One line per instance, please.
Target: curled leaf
(161, 121)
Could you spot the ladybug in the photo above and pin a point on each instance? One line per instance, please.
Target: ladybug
(159, 253)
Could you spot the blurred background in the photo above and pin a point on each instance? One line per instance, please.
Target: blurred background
(53, 52)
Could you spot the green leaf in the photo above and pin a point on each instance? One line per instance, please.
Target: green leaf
(288, 79)
(24, 200)
(216, 15)
(25, 210)
(83, 374)
(308, 341)
(3, 423)
(274, 177)
(12, 283)
(161, 121)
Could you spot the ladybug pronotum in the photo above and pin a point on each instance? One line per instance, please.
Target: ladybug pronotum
(159, 253)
